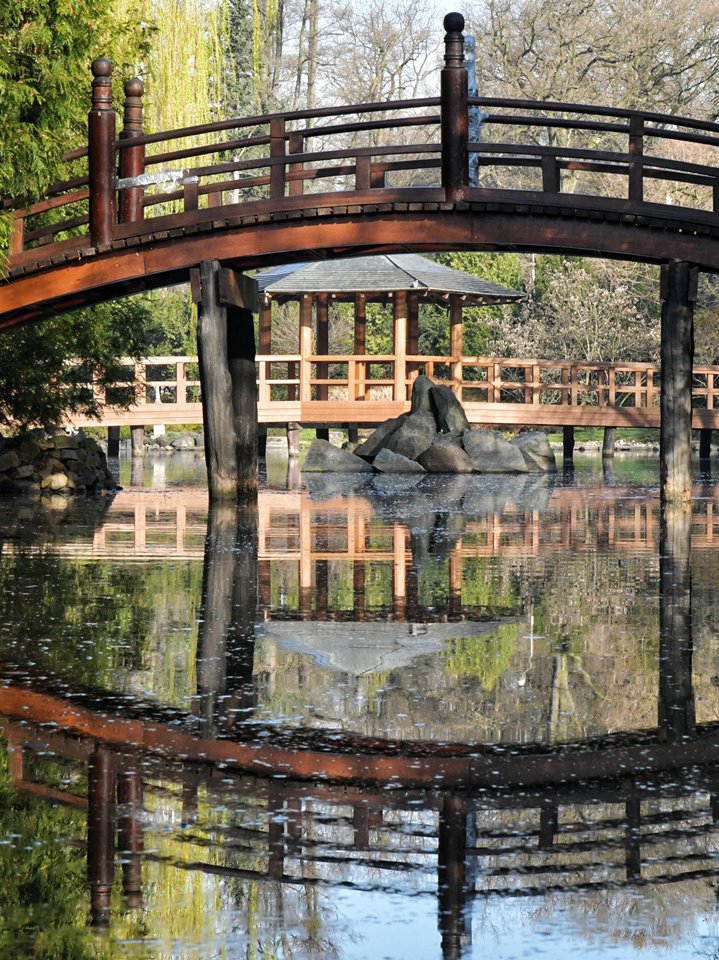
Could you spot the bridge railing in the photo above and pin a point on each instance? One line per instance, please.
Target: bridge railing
(364, 389)
(305, 163)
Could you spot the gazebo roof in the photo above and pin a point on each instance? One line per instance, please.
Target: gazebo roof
(379, 276)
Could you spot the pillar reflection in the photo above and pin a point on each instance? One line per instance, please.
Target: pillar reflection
(676, 693)
(228, 613)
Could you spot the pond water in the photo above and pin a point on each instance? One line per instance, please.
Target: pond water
(380, 717)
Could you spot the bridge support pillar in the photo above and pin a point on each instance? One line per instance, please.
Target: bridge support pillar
(226, 355)
(705, 446)
(137, 433)
(678, 293)
(609, 442)
(568, 443)
(113, 441)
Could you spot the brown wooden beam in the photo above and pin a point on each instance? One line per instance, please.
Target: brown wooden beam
(678, 293)
(216, 387)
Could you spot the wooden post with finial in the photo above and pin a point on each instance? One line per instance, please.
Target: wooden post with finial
(101, 154)
(455, 118)
(132, 159)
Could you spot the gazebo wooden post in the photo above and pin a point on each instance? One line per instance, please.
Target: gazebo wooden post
(413, 334)
(455, 343)
(360, 345)
(322, 433)
(400, 345)
(265, 331)
(305, 350)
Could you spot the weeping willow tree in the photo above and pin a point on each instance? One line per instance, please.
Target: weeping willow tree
(184, 65)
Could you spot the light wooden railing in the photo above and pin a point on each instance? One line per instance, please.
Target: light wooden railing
(363, 389)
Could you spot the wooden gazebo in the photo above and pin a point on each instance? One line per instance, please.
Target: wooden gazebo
(404, 280)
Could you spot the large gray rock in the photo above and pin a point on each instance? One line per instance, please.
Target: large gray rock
(536, 451)
(378, 438)
(491, 453)
(388, 462)
(421, 395)
(449, 413)
(445, 456)
(323, 457)
(413, 436)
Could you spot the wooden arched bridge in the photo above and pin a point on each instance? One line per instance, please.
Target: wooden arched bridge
(142, 210)
(139, 210)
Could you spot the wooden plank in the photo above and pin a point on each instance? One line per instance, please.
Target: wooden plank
(238, 290)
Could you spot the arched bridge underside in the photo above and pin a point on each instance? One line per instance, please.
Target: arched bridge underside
(138, 211)
(167, 250)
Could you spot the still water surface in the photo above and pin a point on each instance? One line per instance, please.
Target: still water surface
(375, 718)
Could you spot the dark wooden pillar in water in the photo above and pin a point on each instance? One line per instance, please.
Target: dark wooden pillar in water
(609, 442)
(138, 440)
(241, 637)
(451, 875)
(216, 387)
(678, 293)
(101, 813)
(227, 626)
(130, 840)
(226, 355)
(113, 441)
(676, 692)
(633, 839)
(705, 447)
(568, 443)
(241, 363)
(323, 346)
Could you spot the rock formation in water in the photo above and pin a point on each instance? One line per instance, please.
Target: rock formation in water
(435, 437)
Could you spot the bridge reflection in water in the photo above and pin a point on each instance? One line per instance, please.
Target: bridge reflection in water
(298, 803)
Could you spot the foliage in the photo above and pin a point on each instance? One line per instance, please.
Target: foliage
(656, 54)
(45, 54)
(38, 384)
(584, 310)
(43, 885)
(485, 657)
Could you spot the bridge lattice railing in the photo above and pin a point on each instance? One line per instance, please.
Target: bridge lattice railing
(123, 189)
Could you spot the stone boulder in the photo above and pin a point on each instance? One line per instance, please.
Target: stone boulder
(378, 438)
(491, 453)
(323, 457)
(388, 462)
(422, 395)
(185, 441)
(537, 452)
(448, 411)
(446, 455)
(413, 435)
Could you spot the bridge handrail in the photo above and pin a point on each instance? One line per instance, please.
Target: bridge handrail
(285, 176)
(627, 113)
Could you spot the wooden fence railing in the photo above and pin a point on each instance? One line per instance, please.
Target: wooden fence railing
(363, 389)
